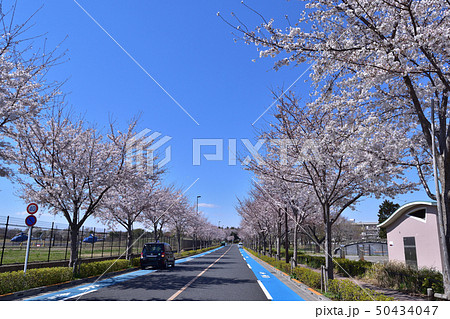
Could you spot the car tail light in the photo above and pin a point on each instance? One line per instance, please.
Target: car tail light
(162, 254)
(142, 255)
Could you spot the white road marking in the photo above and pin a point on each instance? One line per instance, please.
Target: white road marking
(249, 266)
(195, 278)
(268, 296)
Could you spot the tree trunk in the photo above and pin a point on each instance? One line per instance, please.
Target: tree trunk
(264, 244)
(155, 232)
(179, 241)
(444, 231)
(296, 230)
(278, 240)
(270, 245)
(286, 238)
(129, 242)
(328, 248)
(73, 244)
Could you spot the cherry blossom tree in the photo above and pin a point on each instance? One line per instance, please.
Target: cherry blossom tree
(198, 227)
(126, 202)
(181, 213)
(331, 152)
(24, 91)
(68, 167)
(390, 57)
(157, 214)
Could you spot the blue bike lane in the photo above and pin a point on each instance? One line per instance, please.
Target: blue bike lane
(273, 287)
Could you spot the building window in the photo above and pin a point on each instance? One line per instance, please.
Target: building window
(409, 244)
(421, 213)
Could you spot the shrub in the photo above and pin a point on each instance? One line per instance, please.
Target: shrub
(17, 281)
(311, 261)
(307, 276)
(349, 291)
(399, 276)
(352, 268)
(100, 267)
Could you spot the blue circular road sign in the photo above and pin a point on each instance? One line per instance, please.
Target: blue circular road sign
(32, 208)
(30, 220)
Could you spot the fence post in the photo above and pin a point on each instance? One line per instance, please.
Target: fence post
(120, 238)
(67, 242)
(50, 244)
(112, 242)
(4, 239)
(80, 240)
(104, 238)
(93, 243)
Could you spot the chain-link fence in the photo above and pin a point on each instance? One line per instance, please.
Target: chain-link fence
(51, 242)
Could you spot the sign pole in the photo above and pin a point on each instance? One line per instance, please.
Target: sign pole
(28, 250)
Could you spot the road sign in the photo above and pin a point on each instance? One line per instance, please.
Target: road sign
(30, 220)
(32, 208)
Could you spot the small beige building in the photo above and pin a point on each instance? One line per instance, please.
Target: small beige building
(412, 235)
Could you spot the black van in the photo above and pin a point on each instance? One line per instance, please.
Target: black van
(157, 255)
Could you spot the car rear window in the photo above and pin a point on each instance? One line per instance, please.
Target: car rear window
(156, 248)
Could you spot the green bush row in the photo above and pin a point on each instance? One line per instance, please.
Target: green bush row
(351, 268)
(347, 290)
(188, 253)
(101, 267)
(337, 289)
(16, 281)
(344, 267)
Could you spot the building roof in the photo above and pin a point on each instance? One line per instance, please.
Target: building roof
(399, 212)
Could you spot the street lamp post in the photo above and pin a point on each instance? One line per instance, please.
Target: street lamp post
(195, 239)
(198, 196)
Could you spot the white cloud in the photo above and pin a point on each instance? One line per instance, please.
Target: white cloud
(207, 205)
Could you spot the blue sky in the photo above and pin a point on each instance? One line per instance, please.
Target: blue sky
(192, 54)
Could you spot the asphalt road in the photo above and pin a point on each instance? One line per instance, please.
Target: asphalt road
(220, 275)
(225, 273)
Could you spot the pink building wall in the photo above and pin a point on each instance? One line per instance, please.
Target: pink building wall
(426, 237)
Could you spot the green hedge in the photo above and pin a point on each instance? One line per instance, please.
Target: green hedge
(349, 291)
(307, 276)
(353, 268)
(311, 261)
(100, 267)
(16, 281)
(344, 267)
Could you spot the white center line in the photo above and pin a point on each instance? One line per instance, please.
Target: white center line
(196, 277)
